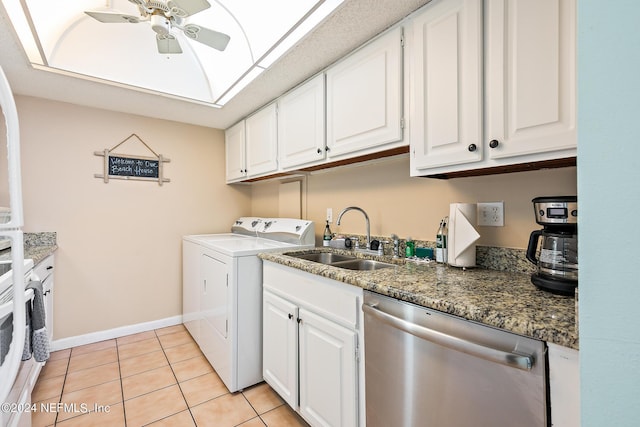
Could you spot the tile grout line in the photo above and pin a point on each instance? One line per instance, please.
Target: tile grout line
(124, 411)
(258, 415)
(177, 381)
(64, 381)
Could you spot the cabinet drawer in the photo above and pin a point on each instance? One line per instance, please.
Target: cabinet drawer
(331, 299)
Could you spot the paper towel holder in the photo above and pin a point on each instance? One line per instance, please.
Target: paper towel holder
(462, 235)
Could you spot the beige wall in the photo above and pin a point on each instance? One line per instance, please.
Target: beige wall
(397, 203)
(119, 256)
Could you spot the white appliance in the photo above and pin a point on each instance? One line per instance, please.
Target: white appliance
(12, 279)
(222, 292)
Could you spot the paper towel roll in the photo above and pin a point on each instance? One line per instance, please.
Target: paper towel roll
(462, 235)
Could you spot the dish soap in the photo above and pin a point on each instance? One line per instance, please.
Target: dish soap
(326, 238)
(409, 248)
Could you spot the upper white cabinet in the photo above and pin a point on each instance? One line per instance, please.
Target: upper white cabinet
(529, 79)
(234, 142)
(446, 84)
(262, 141)
(301, 125)
(364, 98)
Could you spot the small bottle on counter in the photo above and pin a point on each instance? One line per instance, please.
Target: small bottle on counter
(410, 248)
(445, 235)
(441, 242)
(326, 238)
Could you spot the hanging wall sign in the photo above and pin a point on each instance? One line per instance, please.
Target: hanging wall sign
(123, 166)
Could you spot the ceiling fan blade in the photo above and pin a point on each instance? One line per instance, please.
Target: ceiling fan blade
(113, 18)
(168, 44)
(184, 8)
(206, 36)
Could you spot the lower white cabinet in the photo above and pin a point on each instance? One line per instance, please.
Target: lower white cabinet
(564, 386)
(311, 330)
(44, 271)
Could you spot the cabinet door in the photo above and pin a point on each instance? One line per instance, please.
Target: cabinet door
(280, 347)
(262, 141)
(446, 84)
(234, 152)
(530, 69)
(364, 97)
(215, 341)
(301, 124)
(564, 385)
(328, 372)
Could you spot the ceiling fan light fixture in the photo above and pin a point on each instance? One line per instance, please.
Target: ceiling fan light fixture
(160, 24)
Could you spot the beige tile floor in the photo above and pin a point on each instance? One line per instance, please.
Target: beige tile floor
(157, 378)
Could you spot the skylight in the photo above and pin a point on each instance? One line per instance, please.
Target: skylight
(59, 36)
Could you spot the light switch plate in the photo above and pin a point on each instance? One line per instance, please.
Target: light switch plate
(330, 215)
(491, 214)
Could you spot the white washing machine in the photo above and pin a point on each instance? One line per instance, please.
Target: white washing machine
(222, 291)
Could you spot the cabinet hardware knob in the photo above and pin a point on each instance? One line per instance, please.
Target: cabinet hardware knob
(290, 316)
(494, 143)
(319, 150)
(472, 147)
(299, 320)
(327, 148)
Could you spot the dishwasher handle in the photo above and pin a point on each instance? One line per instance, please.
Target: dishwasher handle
(514, 360)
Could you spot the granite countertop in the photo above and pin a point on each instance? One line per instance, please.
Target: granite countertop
(500, 299)
(37, 246)
(38, 253)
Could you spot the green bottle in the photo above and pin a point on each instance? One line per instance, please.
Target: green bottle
(410, 248)
(326, 238)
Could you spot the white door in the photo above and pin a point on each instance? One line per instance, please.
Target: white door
(215, 342)
(531, 76)
(234, 138)
(280, 347)
(301, 124)
(262, 141)
(364, 97)
(446, 84)
(328, 372)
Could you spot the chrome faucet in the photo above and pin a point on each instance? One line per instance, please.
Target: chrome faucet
(396, 245)
(366, 218)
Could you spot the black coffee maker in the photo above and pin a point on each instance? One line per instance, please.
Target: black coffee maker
(557, 257)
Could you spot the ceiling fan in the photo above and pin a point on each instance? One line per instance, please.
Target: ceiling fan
(164, 16)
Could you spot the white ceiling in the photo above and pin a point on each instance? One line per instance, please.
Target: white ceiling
(352, 24)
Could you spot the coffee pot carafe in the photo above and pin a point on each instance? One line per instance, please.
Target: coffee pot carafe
(554, 249)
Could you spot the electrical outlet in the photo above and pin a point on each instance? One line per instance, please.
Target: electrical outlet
(491, 214)
(330, 215)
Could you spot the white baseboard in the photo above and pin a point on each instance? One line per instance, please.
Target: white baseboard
(93, 337)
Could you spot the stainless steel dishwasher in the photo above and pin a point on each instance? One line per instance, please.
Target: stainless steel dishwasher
(427, 368)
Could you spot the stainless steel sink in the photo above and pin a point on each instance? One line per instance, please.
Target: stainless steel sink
(362, 264)
(323, 257)
(342, 261)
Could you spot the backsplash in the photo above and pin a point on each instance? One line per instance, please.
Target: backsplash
(489, 257)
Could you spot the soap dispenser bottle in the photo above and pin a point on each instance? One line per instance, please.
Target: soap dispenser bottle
(409, 248)
(326, 238)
